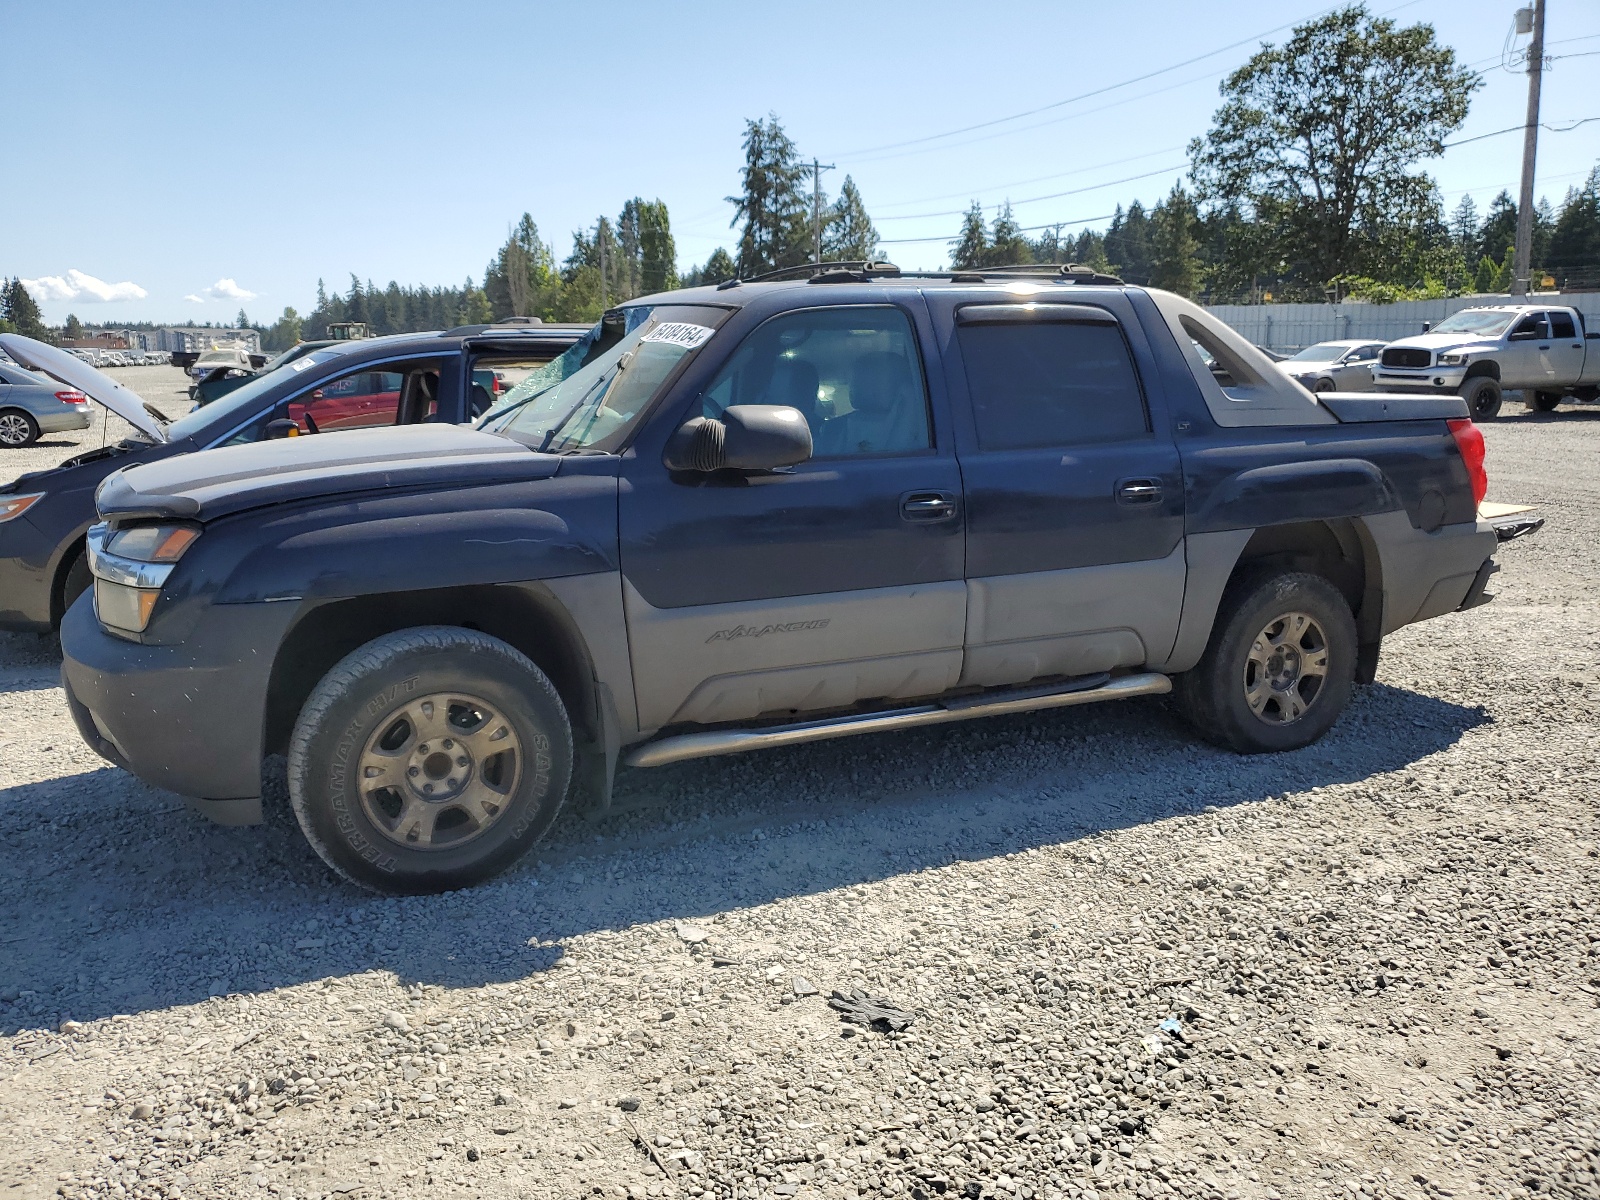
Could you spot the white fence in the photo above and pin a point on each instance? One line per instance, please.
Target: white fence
(1295, 326)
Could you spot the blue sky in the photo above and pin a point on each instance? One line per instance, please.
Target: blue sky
(235, 153)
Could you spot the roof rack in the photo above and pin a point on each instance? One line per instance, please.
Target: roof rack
(864, 272)
(856, 270)
(1064, 272)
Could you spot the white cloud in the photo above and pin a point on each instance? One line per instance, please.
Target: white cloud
(222, 289)
(86, 288)
(193, 299)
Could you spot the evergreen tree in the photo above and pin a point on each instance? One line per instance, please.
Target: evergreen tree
(355, 304)
(658, 256)
(629, 272)
(522, 281)
(1128, 243)
(73, 329)
(971, 249)
(284, 332)
(1464, 225)
(771, 204)
(1007, 246)
(18, 307)
(847, 232)
(1174, 249)
(1499, 228)
(719, 268)
(1574, 253)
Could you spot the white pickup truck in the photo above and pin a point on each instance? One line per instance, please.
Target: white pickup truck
(1476, 353)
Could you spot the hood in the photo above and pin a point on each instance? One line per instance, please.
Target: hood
(1445, 341)
(215, 483)
(74, 372)
(1304, 367)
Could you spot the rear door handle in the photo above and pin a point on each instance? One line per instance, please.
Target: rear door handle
(1139, 491)
(927, 507)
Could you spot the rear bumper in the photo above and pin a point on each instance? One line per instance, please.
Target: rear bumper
(186, 717)
(63, 421)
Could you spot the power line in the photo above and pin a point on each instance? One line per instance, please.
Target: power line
(1116, 162)
(1052, 196)
(1100, 91)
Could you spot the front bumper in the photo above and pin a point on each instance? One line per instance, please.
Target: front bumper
(1432, 380)
(187, 717)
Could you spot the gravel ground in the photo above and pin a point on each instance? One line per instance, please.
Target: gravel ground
(1135, 965)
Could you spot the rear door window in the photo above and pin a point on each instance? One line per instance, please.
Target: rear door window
(1561, 325)
(1051, 383)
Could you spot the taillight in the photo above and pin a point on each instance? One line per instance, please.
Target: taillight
(72, 398)
(1469, 440)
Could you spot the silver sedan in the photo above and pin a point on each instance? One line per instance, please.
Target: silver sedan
(31, 405)
(1334, 366)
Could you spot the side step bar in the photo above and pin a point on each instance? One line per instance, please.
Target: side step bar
(735, 741)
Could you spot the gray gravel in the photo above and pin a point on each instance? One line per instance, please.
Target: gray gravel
(1136, 965)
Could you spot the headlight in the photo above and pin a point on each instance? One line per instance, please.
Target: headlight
(12, 507)
(129, 568)
(1452, 360)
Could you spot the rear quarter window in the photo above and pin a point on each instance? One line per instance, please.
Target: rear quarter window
(1038, 384)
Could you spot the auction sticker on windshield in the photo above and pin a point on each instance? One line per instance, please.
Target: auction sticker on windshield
(679, 333)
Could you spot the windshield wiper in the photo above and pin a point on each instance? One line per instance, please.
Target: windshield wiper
(550, 434)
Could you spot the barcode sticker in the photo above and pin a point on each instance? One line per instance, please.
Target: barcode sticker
(679, 333)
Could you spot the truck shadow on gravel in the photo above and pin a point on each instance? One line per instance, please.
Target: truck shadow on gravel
(120, 900)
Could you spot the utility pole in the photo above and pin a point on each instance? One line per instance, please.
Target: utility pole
(1530, 146)
(816, 208)
(600, 236)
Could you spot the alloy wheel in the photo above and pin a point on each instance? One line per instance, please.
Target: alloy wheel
(1286, 668)
(439, 770)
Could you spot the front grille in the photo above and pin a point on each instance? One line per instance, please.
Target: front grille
(1401, 356)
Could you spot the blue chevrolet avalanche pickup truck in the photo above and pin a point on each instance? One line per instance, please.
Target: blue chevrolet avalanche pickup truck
(762, 513)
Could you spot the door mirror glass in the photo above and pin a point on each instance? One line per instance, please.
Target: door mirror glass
(747, 437)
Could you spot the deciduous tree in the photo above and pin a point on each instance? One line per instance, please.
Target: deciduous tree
(1321, 136)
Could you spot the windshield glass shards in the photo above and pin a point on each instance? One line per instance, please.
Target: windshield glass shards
(596, 405)
(1488, 321)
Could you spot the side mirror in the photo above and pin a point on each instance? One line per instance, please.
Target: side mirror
(748, 437)
(281, 428)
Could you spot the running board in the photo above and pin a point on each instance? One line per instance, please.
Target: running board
(735, 741)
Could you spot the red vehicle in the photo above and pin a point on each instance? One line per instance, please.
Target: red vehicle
(355, 401)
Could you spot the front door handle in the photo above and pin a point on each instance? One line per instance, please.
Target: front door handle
(1139, 491)
(926, 507)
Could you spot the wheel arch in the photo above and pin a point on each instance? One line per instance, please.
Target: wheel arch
(1484, 366)
(526, 616)
(1340, 549)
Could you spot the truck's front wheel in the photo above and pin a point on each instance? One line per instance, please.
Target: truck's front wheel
(428, 760)
(1483, 397)
(1280, 665)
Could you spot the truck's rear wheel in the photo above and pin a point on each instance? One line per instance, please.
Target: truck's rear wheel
(1483, 397)
(1280, 665)
(1544, 401)
(429, 760)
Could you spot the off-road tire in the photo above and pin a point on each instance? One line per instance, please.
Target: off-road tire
(1544, 401)
(17, 429)
(1212, 696)
(362, 693)
(1483, 396)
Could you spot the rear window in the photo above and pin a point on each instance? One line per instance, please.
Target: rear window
(1038, 384)
(1561, 325)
